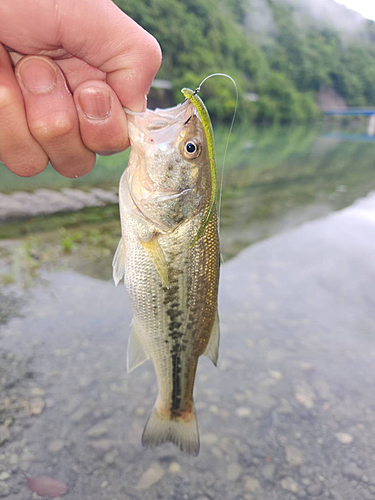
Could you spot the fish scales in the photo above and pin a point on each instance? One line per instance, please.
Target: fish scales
(172, 285)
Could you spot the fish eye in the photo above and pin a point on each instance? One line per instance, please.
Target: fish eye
(192, 148)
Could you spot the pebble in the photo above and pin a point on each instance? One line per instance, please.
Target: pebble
(268, 472)
(36, 391)
(80, 414)
(336, 495)
(13, 459)
(37, 406)
(104, 484)
(103, 444)
(140, 411)
(315, 489)
(234, 471)
(56, 446)
(4, 476)
(150, 477)
(289, 484)
(352, 471)
(110, 457)
(174, 468)
(293, 455)
(4, 489)
(276, 374)
(344, 437)
(252, 484)
(305, 399)
(262, 400)
(209, 439)
(242, 412)
(97, 430)
(4, 434)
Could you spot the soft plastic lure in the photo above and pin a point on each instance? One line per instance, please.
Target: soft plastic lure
(207, 125)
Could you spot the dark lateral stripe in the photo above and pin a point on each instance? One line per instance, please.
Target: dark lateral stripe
(176, 377)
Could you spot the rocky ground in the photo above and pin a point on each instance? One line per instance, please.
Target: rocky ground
(46, 201)
(289, 413)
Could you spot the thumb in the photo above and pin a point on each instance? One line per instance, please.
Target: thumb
(106, 38)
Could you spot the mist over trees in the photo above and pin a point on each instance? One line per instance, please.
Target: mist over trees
(286, 51)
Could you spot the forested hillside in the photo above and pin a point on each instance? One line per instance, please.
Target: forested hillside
(284, 50)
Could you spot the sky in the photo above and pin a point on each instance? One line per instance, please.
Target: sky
(364, 7)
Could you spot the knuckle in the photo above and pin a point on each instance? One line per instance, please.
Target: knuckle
(26, 168)
(77, 167)
(56, 127)
(153, 52)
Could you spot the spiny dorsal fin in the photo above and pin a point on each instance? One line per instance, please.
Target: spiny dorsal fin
(136, 352)
(118, 263)
(157, 256)
(212, 349)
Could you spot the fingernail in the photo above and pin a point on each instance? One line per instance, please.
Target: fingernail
(95, 103)
(38, 76)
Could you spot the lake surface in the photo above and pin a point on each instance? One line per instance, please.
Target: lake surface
(289, 413)
(274, 179)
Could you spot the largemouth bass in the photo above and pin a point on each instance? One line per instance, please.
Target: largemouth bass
(169, 254)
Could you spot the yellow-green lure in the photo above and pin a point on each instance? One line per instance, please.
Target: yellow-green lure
(207, 125)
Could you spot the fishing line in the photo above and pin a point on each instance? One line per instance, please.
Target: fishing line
(197, 90)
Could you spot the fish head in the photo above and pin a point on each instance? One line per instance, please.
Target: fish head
(169, 175)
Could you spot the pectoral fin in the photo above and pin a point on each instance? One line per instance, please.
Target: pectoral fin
(212, 349)
(118, 263)
(136, 352)
(157, 256)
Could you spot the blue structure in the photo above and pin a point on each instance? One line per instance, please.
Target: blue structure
(351, 112)
(370, 112)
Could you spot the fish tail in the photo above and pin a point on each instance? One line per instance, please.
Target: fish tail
(166, 426)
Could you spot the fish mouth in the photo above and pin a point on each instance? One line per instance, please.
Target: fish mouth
(168, 113)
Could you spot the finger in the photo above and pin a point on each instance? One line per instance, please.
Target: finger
(99, 33)
(52, 116)
(19, 151)
(102, 118)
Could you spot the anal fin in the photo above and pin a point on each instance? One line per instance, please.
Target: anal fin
(212, 349)
(157, 256)
(136, 352)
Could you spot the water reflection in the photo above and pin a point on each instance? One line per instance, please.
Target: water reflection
(274, 179)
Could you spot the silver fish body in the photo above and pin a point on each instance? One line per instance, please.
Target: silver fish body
(172, 284)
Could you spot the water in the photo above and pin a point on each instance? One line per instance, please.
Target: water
(274, 179)
(289, 411)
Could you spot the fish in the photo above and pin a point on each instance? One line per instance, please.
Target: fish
(169, 257)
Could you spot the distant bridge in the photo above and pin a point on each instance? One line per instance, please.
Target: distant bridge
(350, 112)
(370, 112)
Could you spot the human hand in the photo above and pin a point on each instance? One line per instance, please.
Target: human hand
(67, 67)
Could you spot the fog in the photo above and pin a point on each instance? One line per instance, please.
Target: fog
(328, 13)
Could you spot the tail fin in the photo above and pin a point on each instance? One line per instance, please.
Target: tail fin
(181, 432)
